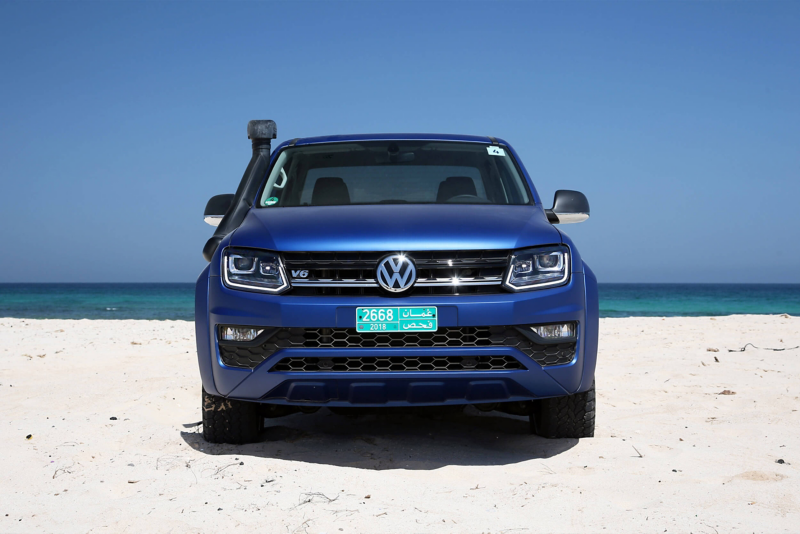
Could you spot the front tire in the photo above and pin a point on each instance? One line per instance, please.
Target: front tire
(564, 417)
(230, 421)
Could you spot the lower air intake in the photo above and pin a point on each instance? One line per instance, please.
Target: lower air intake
(360, 364)
(468, 337)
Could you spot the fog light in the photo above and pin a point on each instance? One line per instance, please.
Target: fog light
(238, 333)
(555, 331)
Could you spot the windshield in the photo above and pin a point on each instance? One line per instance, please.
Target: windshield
(394, 172)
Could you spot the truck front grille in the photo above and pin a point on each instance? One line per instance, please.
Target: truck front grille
(240, 355)
(450, 272)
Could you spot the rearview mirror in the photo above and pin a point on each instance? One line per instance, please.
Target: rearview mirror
(216, 209)
(568, 207)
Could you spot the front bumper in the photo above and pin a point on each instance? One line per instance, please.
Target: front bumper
(218, 305)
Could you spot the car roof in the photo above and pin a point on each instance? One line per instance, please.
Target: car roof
(391, 137)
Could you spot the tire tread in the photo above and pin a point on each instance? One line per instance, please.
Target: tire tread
(572, 416)
(230, 421)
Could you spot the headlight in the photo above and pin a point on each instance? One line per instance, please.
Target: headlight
(539, 267)
(258, 270)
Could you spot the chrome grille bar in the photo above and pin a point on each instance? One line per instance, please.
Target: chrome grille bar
(301, 282)
(485, 281)
(434, 282)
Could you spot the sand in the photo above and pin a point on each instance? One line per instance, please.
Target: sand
(104, 403)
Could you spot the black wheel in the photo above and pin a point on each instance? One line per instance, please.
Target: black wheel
(230, 421)
(564, 417)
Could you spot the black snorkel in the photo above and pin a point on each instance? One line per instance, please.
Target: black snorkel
(261, 133)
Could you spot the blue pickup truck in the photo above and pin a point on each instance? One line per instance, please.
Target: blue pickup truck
(393, 270)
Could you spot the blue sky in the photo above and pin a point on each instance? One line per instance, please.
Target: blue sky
(680, 121)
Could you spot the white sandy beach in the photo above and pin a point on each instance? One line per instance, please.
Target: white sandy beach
(671, 454)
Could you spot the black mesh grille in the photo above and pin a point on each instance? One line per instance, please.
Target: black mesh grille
(360, 364)
(467, 337)
(480, 265)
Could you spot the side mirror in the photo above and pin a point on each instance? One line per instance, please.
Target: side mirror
(568, 207)
(216, 209)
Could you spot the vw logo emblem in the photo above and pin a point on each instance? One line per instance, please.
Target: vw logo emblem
(396, 273)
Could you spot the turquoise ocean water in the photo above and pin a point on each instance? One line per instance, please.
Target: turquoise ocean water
(176, 301)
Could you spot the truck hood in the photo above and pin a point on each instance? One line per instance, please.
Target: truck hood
(395, 228)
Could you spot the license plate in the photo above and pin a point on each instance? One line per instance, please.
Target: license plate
(408, 319)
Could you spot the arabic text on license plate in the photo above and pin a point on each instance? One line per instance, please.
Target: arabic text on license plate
(408, 319)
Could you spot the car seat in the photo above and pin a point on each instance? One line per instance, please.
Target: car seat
(455, 186)
(330, 191)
